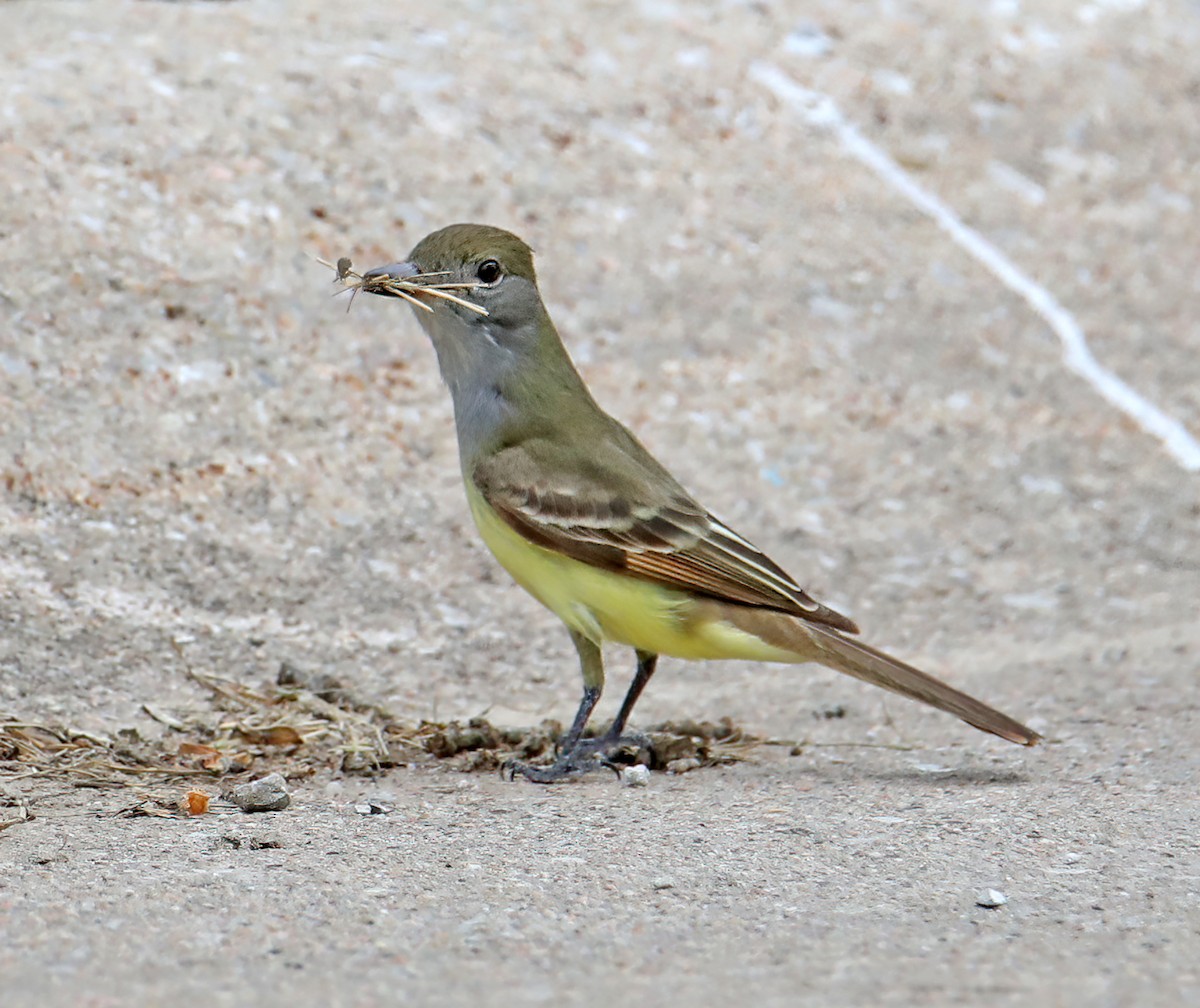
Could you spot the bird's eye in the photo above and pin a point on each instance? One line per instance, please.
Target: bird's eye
(489, 271)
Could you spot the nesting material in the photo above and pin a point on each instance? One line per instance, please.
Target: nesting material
(411, 289)
(305, 724)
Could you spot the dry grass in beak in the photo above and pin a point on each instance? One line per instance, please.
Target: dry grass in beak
(406, 288)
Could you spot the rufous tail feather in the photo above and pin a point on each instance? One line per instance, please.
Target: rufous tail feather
(813, 642)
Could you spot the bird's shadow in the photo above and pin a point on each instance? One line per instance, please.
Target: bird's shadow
(956, 776)
(872, 767)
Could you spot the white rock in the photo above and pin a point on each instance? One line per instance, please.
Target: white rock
(635, 776)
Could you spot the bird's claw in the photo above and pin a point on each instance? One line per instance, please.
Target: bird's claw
(562, 769)
(586, 756)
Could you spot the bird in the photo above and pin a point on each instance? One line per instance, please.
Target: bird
(587, 521)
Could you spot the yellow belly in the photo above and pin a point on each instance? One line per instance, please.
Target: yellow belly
(603, 605)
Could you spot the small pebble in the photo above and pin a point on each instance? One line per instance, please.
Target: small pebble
(663, 883)
(267, 794)
(991, 899)
(373, 808)
(635, 776)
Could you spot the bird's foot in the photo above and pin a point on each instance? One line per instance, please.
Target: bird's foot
(568, 766)
(607, 752)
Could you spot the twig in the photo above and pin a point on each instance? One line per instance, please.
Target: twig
(405, 288)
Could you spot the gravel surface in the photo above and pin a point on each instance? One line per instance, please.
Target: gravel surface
(208, 466)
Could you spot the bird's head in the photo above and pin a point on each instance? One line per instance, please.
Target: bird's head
(474, 291)
(484, 266)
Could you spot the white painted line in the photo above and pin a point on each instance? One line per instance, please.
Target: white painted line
(820, 110)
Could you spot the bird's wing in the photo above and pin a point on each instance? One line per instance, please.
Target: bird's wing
(623, 512)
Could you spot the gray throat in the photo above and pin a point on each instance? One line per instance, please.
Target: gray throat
(508, 383)
(479, 370)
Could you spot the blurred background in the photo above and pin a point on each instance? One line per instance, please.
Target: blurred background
(199, 441)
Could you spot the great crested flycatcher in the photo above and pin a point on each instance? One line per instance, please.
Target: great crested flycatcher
(586, 520)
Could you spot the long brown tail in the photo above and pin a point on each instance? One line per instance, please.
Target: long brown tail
(864, 662)
(813, 642)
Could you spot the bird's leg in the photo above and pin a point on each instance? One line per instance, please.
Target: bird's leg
(574, 758)
(646, 664)
(591, 694)
(614, 740)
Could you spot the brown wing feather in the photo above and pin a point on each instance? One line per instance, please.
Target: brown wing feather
(676, 543)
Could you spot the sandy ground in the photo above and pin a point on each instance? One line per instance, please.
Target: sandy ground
(206, 463)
